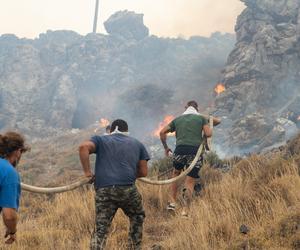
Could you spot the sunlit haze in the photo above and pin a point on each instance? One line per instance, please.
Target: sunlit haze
(168, 18)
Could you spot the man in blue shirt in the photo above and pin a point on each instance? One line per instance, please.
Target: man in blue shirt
(12, 145)
(120, 159)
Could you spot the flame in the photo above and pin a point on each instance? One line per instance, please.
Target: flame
(162, 124)
(103, 123)
(220, 88)
(298, 118)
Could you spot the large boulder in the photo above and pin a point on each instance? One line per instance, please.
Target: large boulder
(127, 24)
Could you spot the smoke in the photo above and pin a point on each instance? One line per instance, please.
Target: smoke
(85, 78)
(143, 107)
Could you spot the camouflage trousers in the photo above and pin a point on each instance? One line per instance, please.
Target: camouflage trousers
(107, 202)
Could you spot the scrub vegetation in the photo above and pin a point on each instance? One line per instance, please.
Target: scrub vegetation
(260, 192)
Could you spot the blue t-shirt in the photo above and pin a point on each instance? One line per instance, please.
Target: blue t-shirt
(10, 188)
(117, 158)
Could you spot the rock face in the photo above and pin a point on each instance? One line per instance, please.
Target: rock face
(127, 24)
(63, 80)
(262, 77)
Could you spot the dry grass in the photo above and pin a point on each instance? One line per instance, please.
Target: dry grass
(260, 192)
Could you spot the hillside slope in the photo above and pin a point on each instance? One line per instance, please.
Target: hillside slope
(261, 192)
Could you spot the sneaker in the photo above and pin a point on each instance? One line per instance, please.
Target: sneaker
(171, 206)
(184, 213)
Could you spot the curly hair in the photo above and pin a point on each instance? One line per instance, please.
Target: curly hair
(121, 124)
(10, 142)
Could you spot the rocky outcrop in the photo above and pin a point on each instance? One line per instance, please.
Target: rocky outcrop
(262, 77)
(62, 80)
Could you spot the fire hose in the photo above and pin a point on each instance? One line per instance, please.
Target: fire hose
(84, 181)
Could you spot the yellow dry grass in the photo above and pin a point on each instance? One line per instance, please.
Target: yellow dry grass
(262, 192)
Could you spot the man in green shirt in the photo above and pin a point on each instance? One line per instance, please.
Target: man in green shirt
(189, 129)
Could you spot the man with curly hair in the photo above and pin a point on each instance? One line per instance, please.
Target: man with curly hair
(12, 146)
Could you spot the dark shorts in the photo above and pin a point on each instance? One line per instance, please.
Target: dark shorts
(183, 157)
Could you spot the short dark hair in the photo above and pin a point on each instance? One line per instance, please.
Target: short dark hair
(192, 104)
(121, 124)
(10, 142)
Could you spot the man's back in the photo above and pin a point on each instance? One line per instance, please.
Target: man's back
(117, 159)
(188, 129)
(120, 160)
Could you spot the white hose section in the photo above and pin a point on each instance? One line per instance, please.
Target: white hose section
(53, 190)
(177, 178)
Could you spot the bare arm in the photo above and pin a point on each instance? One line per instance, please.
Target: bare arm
(85, 149)
(216, 121)
(142, 169)
(163, 137)
(207, 131)
(10, 219)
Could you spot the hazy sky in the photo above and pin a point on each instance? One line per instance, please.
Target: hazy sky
(28, 18)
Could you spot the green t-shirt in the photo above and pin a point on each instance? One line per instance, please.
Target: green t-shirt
(188, 129)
